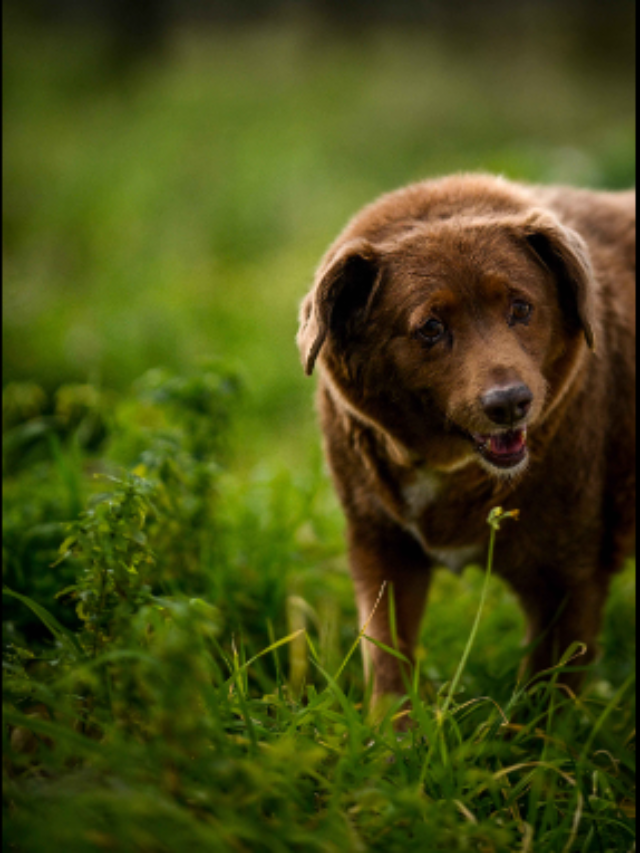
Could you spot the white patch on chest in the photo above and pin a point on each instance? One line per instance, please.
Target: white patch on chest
(418, 495)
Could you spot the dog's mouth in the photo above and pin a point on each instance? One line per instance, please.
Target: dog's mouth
(503, 450)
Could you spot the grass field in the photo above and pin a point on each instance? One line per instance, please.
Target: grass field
(181, 661)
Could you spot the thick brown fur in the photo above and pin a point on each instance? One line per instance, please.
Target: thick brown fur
(402, 415)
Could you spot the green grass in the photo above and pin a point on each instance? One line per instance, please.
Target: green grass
(195, 683)
(179, 616)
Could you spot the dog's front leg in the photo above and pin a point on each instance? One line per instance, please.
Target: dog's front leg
(384, 557)
(559, 615)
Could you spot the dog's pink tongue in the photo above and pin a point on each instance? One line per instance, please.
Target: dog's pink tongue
(508, 443)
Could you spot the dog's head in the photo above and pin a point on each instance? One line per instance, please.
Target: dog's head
(455, 337)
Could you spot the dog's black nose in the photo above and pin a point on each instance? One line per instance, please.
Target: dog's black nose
(507, 406)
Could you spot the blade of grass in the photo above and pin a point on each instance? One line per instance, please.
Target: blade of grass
(393, 622)
(52, 730)
(361, 634)
(605, 716)
(62, 634)
(241, 668)
(387, 649)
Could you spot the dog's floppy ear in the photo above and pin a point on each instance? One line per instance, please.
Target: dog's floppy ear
(343, 288)
(564, 253)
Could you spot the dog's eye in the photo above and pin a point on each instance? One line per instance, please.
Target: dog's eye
(520, 311)
(432, 331)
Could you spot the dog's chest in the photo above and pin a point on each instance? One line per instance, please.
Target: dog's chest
(420, 493)
(425, 500)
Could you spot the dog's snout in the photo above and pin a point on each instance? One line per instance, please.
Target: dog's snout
(507, 406)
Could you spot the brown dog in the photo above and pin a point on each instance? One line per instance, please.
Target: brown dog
(476, 340)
